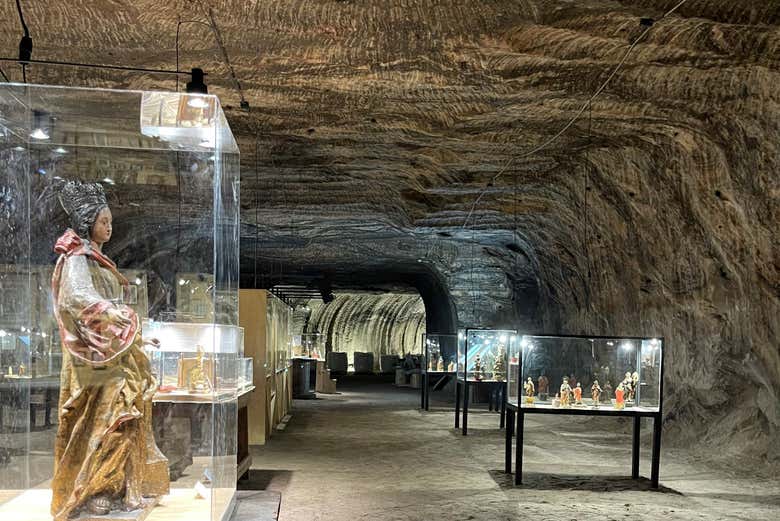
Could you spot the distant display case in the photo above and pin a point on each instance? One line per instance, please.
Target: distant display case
(482, 365)
(186, 371)
(309, 345)
(439, 364)
(585, 376)
(117, 206)
(610, 374)
(482, 354)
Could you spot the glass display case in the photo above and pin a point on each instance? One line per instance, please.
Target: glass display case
(482, 354)
(117, 206)
(439, 353)
(308, 345)
(611, 374)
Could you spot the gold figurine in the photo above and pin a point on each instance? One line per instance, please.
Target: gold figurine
(198, 381)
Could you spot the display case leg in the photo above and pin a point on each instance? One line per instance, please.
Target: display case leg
(519, 447)
(510, 420)
(423, 388)
(502, 390)
(457, 405)
(465, 408)
(635, 448)
(656, 463)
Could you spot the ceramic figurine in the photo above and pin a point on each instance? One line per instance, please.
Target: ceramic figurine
(22, 369)
(544, 387)
(634, 385)
(478, 373)
(105, 456)
(556, 403)
(430, 365)
(578, 395)
(595, 393)
(619, 396)
(440, 364)
(565, 392)
(451, 367)
(628, 387)
(528, 387)
(607, 396)
(10, 371)
(499, 365)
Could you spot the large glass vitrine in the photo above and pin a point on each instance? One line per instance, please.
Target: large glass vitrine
(586, 376)
(119, 214)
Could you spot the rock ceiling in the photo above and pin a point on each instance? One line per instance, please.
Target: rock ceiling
(374, 127)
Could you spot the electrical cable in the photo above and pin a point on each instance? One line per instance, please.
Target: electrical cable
(95, 66)
(573, 120)
(21, 19)
(4, 76)
(178, 29)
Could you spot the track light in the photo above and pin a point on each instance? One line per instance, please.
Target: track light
(197, 102)
(197, 85)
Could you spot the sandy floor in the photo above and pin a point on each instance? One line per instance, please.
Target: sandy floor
(368, 453)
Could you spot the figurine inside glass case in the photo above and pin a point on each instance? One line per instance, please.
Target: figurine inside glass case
(479, 372)
(595, 393)
(620, 402)
(578, 395)
(528, 387)
(565, 392)
(440, 364)
(544, 388)
(105, 454)
(499, 365)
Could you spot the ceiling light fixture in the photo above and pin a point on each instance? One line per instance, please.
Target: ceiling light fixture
(60, 150)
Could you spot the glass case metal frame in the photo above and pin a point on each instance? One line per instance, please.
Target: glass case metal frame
(515, 417)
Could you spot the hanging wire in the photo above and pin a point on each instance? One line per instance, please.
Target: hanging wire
(2, 73)
(573, 120)
(178, 30)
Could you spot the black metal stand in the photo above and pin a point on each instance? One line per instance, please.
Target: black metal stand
(520, 412)
(497, 400)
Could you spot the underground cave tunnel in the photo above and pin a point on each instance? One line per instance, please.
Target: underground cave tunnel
(392, 259)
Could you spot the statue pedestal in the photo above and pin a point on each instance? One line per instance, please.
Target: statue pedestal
(134, 515)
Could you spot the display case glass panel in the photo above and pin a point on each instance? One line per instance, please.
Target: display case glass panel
(609, 374)
(513, 369)
(482, 354)
(440, 353)
(110, 202)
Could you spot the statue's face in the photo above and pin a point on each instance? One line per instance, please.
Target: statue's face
(101, 230)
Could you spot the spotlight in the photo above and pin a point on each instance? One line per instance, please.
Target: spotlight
(197, 86)
(108, 180)
(197, 102)
(60, 150)
(41, 125)
(138, 281)
(19, 148)
(627, 346)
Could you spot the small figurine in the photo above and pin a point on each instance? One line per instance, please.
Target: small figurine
(430, 365)
(607, 396)
(10, 371)
(451, 367)
(628, 387)
(619, 393)
(198, 381)
(544, 387)
(565, 392)
(499, 365)
(595, 393)
(22, 369)
(528, 386)
(478, 373)
(578, 395)
(440, 364)
(634, 386)
(572, 381)
(556, 403)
